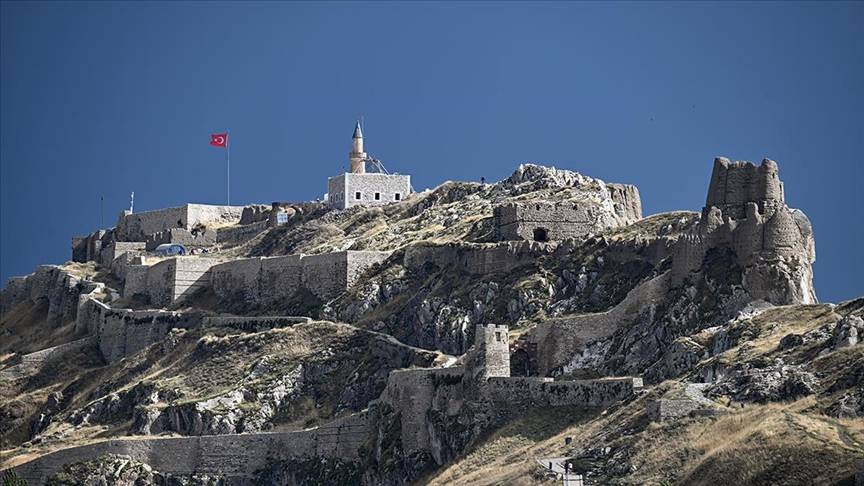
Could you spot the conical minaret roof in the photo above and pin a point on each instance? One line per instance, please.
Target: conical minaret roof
(357, 132)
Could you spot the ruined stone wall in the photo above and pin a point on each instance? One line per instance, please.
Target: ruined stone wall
(171, 280)
(561, 342)
(49, 284)
(180, 236)
(239, 234)
(521, 393)
(745, 213)
(138, 226)
(79, 249)
(734, 184)
(476, 258)
(265, 280)
(254, 213)
(559, 220)
(413, 393)
(30, 364)
(116, 249)
(490, 355)
(235, 456)
(122, 332)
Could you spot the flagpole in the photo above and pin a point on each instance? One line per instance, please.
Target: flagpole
(228, 160)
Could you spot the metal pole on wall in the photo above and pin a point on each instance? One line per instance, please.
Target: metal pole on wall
(228, 160)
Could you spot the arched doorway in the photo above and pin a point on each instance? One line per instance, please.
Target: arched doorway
(541, 234)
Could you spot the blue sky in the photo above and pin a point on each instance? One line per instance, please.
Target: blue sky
(102, 99)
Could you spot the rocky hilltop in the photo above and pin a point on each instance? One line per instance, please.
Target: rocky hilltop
(503, 333)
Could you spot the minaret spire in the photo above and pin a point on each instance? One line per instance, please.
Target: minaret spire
(357, 155)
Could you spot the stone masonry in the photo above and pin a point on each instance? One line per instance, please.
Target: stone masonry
(268, 280)
(746, 213)
(138, 226)
(613, 205)
(234, 456)
(170, 280)
(348, 190)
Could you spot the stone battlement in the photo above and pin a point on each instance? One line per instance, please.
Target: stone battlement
(734, 184)
(745, 213)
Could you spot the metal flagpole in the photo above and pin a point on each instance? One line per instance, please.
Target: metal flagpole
(228, 157)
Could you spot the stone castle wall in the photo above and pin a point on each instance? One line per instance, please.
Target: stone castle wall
(116, 249)
(236, 456)
(122, 332)
(733, 184)
(491, 354)
(49, 284)
(611, 206)
(180, 236)
(413, 393)
(30, 364)
(138, 226)
(265, 280)
(239, 234)
(523, 393)
(558, 220)
(476, 258)
(172, 280)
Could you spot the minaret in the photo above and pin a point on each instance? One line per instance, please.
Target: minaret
(357, 155)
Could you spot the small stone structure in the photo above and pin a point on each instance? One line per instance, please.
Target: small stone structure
(595, 206)
(544, 220)
(138, 226)
(358, 188)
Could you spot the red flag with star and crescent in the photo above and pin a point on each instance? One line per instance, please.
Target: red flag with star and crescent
(219, 140)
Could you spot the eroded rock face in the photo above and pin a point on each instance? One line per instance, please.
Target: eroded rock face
(774, 383)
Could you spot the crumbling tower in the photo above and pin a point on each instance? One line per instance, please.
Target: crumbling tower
(490, 357)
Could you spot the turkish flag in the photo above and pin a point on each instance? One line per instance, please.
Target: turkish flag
(219, 140)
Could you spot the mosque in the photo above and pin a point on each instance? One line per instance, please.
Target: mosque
(361, 188)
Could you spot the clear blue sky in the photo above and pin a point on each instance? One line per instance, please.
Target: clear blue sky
(102, 99)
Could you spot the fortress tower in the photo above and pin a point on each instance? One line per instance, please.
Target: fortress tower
(490, 357)
(359, 188)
